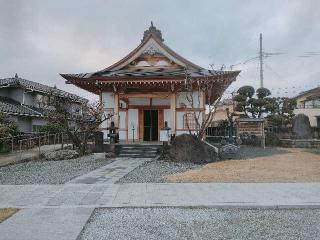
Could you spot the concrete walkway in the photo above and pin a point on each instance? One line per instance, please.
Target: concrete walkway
(45, 224)
(32, 153)
(111, 172)
(252, 195)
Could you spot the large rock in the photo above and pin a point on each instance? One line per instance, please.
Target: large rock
(188, 148)
(301, 127)
(62, 154)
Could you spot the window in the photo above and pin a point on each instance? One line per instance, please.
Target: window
(189, 121)
(36, 128)
(312, 104)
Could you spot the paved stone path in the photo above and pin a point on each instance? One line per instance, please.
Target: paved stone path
(162, 194)
(111, 172)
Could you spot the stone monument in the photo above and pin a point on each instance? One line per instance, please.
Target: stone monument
(301, 127)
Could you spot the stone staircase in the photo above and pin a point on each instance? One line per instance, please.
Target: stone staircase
(137, 150)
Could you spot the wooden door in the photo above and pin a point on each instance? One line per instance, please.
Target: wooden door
(160, 121)
(141, 124)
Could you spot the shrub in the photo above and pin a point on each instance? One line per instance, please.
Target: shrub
(250, 139)
(272, 139)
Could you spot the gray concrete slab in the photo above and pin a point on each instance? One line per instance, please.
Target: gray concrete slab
(162, 194)
(45, 223)
(111, 172)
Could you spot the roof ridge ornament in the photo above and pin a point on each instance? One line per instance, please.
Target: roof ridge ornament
(16, 75)
(154, 31)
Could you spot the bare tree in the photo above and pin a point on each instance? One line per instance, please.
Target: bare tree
(206, 87)
(78, 119)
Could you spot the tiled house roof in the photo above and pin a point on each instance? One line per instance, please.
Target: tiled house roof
(34, 86)
(12, 107)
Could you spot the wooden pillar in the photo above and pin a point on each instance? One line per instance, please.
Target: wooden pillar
(173, 113)
(116, 110)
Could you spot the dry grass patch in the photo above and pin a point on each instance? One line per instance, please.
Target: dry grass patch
(297, 165)
(5, 213)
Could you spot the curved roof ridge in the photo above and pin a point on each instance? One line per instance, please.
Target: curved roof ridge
(155, 35)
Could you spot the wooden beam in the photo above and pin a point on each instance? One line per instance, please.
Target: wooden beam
(173, 112)
(116, 110)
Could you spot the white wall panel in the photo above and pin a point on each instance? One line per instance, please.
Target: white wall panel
(160, 101)
(132, 121)
(197, 99)
(122, 123)
(122, 135)
(108, 99)
(139, 101)
(167, 117)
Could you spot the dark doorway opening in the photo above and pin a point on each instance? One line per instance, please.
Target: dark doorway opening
(150, 120)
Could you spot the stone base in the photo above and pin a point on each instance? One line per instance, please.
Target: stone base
(300, 143)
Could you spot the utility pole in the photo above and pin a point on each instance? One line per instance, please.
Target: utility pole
(261, 62)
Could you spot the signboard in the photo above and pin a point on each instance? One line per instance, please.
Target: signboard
(165, 135)
(251, 127)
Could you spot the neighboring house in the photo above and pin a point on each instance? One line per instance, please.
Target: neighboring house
(148, 87)
(308, 103)
(221, 111)
(24, 101)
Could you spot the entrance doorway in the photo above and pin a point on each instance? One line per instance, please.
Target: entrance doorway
(150, 122)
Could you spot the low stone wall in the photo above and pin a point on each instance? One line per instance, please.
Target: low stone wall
(300, 143)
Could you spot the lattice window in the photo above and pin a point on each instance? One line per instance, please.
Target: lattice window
(189, 121)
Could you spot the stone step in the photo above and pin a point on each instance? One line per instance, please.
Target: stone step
(137, 156)
(137, 150)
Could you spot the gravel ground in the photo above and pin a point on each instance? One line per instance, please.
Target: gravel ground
(152, 171)
(206, 223)
(49, 172)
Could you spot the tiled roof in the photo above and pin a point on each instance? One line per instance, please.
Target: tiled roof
(152, 72)
(10, 106)
(315, 93)
(30, 85)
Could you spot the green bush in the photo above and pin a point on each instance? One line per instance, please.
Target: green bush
(50, 128)
(272, 139)
(250, 139)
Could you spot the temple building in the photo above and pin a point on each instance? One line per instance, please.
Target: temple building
(151, 85)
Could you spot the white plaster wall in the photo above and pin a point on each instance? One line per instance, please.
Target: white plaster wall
(160, 101)
(108, 99)
(122, 122)
(24, 124)
(184, 132)
(167, 116)
(106, 123)
(39, 121)
(105, 134)
(122, 104)
(139, 101)
(29, 99)
(17, 94)
(133, 121)
(123, 135)
(311, 113)
(179, 119)
(181, 99)
(13, 93)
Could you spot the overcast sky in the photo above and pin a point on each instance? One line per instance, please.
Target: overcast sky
(39, 38)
